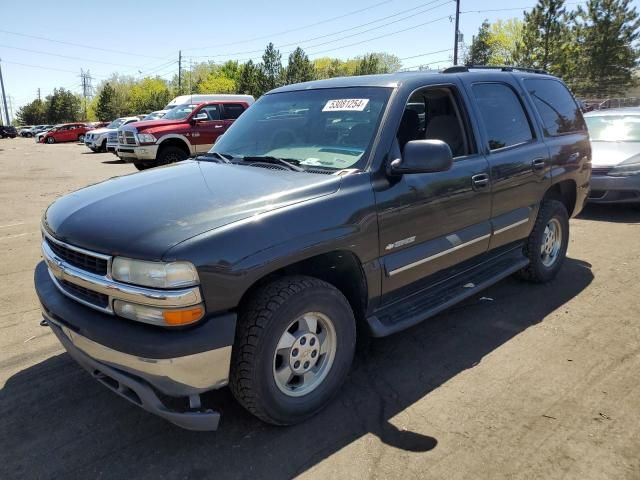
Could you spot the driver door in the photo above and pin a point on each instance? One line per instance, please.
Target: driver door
(432, 221)
(205, 131)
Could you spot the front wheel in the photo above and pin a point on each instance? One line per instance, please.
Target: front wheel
(547, 244)
(51, 140)
(294, 346)
(81, 138)
(170, 154)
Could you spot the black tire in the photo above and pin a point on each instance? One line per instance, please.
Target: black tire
(51, 140)
(537, 271)
(170, 154)
(80, 138)
(143, 165)
(261, 323)
(103, 146)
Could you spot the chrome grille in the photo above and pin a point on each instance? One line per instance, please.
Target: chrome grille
(78, 259)
(129, 137)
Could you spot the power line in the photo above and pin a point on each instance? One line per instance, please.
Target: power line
(385, 18)
(77, 44)
(40, 52)
(426, 53)
(297, 29)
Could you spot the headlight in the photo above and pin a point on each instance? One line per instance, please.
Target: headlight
(625, 169)
(154, 274)
(158, 316)
(146, 138)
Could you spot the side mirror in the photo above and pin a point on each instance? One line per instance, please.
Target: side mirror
(200, 117)
(422, 156)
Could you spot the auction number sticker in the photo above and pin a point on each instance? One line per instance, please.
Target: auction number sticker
(346, 104)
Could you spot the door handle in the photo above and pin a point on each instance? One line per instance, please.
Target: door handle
(218, 126)
(539, 164)
(480, 181)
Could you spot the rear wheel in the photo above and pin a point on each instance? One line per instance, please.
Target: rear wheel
(170, 154)
(294, 346)
(51, 140)
(547, 244)
(81, 138)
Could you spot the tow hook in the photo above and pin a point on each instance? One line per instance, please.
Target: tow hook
(44, 323)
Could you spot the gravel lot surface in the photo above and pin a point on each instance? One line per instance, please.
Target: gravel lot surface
(536, 382)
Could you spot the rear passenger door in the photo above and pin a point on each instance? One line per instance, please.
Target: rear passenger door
(518, 159)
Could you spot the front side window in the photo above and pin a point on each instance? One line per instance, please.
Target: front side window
(180, 112)
(212, 111)
(330, 128)
(559, 111)
(614, 128)
(503, 115)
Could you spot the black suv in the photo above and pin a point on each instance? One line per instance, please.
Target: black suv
(376, 201)
(8, 131)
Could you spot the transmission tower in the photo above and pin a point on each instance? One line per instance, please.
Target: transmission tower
(87, 88)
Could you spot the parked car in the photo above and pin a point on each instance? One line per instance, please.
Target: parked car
(155, 115)
(615, 142)
(25, 131)
(185, 130)
(323, 207)
(39, 129)
(42, 132)
(8, 131)
(68, 132)
(97, 139)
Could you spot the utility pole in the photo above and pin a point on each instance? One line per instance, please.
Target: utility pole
(39, 99)
(4, 98)
(179, 72)
(457, 33)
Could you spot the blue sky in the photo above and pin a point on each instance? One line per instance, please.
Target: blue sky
(145, 36)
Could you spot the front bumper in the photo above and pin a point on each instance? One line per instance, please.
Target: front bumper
(133, 153)
(140, 362)
(608, 189)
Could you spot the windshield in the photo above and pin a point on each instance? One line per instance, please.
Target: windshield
(614, 128)
(116, 123)
(180, 112)
(329, 128)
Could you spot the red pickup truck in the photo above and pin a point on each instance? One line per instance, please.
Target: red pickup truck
(186, 130)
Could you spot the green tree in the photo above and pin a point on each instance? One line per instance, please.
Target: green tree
(270, 70)
(387, 62)
(607, 31)
(480, 51)
(216, 83)
(299, 69)
(369, 64)
(105, 108)
(33, 113)
(248, 80)
(62, 106)
(544, 34)
(148, 94)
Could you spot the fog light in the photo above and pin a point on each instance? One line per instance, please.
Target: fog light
(158, 316)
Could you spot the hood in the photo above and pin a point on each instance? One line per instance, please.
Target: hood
(100, 131)
(151, 124)
(144, 214)
(610, 154)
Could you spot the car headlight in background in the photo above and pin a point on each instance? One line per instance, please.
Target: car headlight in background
(625, 169)
(146, 138)
(154, 274)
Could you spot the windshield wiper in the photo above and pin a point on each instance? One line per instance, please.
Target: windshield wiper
(225, 157)
(290, 163)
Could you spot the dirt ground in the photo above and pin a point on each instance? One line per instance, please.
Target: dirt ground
(534, 382)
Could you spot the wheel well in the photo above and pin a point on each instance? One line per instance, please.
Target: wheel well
(175, 142)
(342, 269)
(565, 192)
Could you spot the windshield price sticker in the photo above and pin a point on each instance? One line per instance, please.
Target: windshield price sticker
(346, 104)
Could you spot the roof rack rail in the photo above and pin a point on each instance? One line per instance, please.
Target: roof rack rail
(503, 68)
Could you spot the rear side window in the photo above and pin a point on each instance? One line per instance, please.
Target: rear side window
(231, 111)
(559, 111)
(504, 118)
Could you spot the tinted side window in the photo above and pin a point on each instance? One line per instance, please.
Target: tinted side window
(213, 111)
(232, 111)
(559, 111)
(504, 118)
